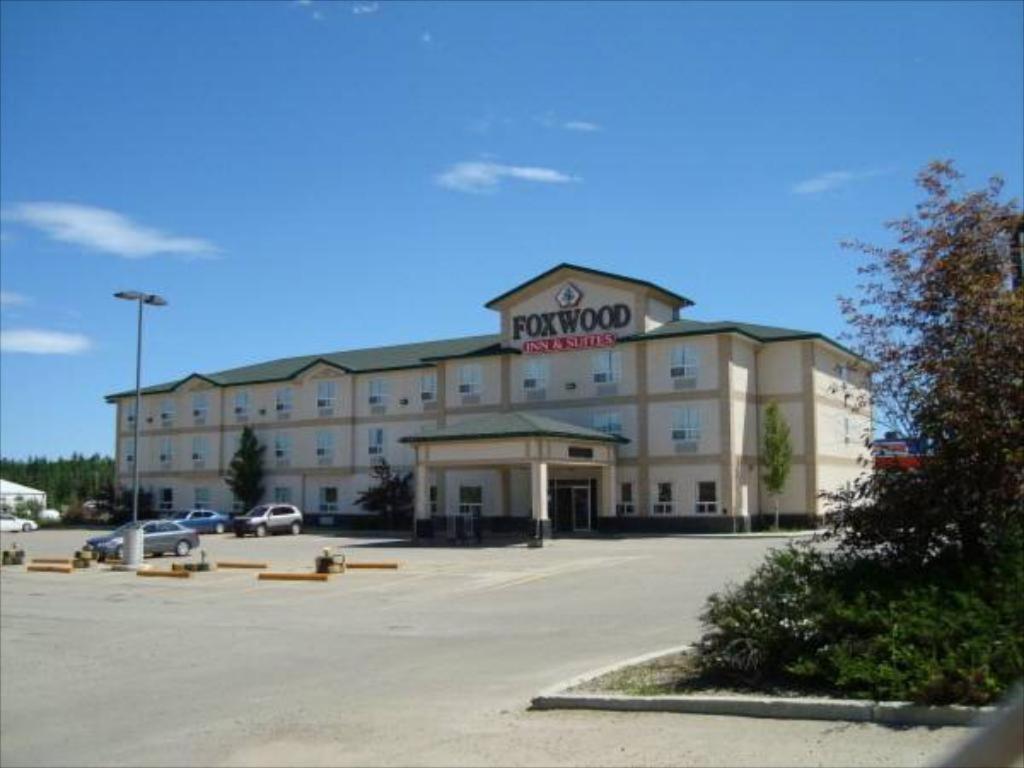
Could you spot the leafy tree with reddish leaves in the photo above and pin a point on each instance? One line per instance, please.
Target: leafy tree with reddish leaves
(940, 318)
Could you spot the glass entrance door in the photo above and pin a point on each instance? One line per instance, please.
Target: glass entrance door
(581, 507)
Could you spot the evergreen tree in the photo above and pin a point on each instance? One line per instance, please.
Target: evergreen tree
(776, 454)
(391, 495)
(245, 473)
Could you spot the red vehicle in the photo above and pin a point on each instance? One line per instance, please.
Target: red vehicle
(895, 453)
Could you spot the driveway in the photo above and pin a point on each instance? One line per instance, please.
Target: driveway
(433, 664)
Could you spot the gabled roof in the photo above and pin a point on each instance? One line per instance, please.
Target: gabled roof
(674, 298)
(513, 424)
(366, 360)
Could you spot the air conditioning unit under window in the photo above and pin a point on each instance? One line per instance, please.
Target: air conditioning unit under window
(426, 396)
(324, 403)
(602, 377)
(376, 449)
(376, 399)
(465, 389)
(529, 384)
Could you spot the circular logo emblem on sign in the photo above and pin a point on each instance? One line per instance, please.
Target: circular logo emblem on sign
(568, 296)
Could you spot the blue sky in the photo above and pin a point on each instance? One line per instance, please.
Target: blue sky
(295, 176)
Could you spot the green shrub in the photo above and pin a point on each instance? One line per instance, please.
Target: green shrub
(861, 627)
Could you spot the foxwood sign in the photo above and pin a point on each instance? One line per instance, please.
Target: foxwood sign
(570, 327)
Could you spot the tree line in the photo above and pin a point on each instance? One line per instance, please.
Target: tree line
(66, 481)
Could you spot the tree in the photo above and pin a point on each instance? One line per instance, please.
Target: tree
(940, 318)
(392, 493)
(776, 454)
(245, 473)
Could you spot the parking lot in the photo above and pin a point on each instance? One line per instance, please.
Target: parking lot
(432, 664)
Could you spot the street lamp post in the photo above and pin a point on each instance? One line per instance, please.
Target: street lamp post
(133, 542)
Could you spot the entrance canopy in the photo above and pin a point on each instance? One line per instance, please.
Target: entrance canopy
(515, 439)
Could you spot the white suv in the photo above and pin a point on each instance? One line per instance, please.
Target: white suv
(269, 518)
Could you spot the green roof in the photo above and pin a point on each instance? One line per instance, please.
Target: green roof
(425, 354)
(512, 424)
(351, 361)
(587, 270)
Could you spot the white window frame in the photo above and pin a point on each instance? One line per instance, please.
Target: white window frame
(324, 446)
(378, 392)
(663, 506)
(282, 449)
(686, 425)
(375, 441)
(428, 387)
(471, 379)
(323, 504)
(129, 450)
(535, 375)
(200, 408)
(200, 451)
(282, 494)
(197, 502)
(609, 422)
(471, 507)
(626, 507)
(705, 507)
(685, 363)
(165, 506)
(284, 401)
(167, 412)
(606, 366)
(166, 455)
(326, 394)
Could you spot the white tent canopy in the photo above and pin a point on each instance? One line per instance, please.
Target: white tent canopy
(12, 493)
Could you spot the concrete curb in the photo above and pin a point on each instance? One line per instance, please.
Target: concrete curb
(752, 535)
(740, 705)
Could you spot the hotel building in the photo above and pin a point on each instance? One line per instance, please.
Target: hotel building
(598, 405)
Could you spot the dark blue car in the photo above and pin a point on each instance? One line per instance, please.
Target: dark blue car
(202, 520)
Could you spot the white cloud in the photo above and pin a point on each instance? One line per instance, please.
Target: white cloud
(832, 180)
(581, 125)
(479, 176)
(103, 230)
(360, 9)
(12, 299)
(303, 2)
(37, 342)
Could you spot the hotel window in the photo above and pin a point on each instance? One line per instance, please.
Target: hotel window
(471, 379)
(202, 498)
(166, 452)
(686, 426)
(607, 367)
(324, 447)
(378, 392)
(236, 504)
(282, 494)
(200, 408)
(200, 448)
(664, 505)
(376, 442)
(471, 499)
(241, 406)
(129, 451)
(166, 499)
(432, 498)
(428, 387)
(707, 497)
(283, 402)
(626, 506)
(609, 423)
(329, 498)
(326, 396)
(535, 378)
(167, 413)
(129, 412)
(282, 449)
(685, 364)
